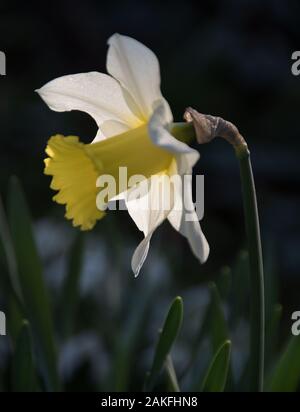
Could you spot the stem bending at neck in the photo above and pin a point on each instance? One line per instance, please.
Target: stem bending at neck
(208, 127)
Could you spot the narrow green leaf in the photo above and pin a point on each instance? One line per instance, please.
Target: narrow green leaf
(219, 332)
(70, 290)
(286, 374)
(16, 310)
(218, 324)
(23, 372)
(9, 252)
(32, 285)
(172, 380)
(213, 325)
(203, 331)
(15, 318)
(167, 338)
(216, 376)
(130, 336)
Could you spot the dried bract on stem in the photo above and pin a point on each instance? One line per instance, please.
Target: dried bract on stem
(208, 127)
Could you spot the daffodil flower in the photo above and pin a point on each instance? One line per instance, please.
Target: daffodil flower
(134, 131)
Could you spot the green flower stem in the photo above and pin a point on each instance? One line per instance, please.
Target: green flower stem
(208, 128)
(257, 338)
(183, 131)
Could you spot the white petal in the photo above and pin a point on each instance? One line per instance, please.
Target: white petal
(94, 93)
(111, 128)
(137, 69)
(148, 212)
(184, 219)
(162, 137)
(140, 255)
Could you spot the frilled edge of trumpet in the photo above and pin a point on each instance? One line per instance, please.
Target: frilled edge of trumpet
(74, 176)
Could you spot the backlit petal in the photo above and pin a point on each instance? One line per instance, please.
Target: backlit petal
(94, 93)
(158, 131)
(184, 219)
(149, 211)
(137, 69)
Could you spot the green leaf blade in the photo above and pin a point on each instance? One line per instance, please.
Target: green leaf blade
(216, 376)
(218, 325)
(167, 338)
(286, 374)
(31, 280)
(23, 371)
(70, 291)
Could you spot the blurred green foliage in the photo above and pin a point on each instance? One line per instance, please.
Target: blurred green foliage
(40, 326)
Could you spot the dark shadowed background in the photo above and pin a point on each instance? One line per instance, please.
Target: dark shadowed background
(229, 58)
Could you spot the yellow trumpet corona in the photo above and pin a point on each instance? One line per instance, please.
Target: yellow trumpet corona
(75, 167)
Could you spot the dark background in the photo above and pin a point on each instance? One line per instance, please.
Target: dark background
(229, 58)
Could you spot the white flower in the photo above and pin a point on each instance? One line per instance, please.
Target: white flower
(128, 107)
